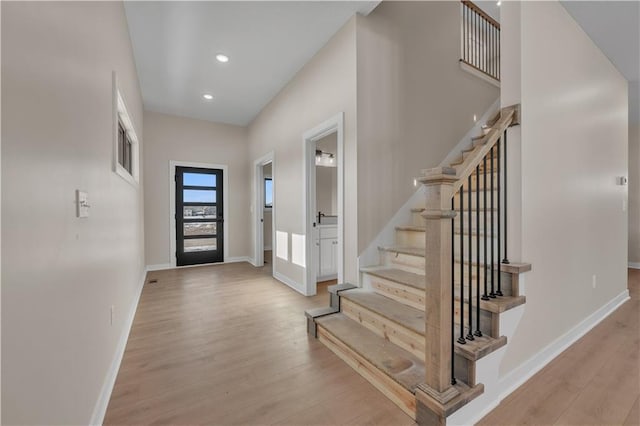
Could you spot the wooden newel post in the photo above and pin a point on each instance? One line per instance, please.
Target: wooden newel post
(437, 390)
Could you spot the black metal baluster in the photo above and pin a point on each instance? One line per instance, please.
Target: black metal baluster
(461, 339)
(453, 290)
(485, 295)
(505, 260)
(477, 332)
(499, 272)
(470, 260)
(493, 293)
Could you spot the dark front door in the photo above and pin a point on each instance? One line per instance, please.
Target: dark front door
(199, 216)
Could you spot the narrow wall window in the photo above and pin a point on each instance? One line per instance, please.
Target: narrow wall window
(268, 193)
(126, 144)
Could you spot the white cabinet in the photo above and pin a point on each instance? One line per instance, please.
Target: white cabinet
(327, 253)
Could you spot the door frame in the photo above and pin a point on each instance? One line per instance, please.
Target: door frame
(258, 210)
(172, 206)
(309, 139)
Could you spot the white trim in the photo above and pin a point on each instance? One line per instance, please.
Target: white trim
(634, 265)
(172, 204)
(165, 266)
(258, 206)
(310, 137)
(517, 377)
(100, 409)
(159, 267)
(288, 281)
(120, 113)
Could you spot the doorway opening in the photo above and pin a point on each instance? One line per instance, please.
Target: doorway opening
(324, 201)
(264, 210)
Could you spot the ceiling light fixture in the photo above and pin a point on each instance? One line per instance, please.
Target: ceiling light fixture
(499, 3)
(222, 58)
(207, 96)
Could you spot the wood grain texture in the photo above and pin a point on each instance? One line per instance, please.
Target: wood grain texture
(596, 381)
(227, 345)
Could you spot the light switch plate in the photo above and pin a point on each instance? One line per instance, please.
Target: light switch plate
(82, 203)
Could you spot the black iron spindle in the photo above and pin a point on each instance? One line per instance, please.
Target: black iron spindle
(499, 272)
(470, 260)
(453, 289)
(477, 332)
(461, 339)
(493, 293)
(485, 257)
(505, 260)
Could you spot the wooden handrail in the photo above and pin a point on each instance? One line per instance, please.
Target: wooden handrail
(509, 116)
(481, 12)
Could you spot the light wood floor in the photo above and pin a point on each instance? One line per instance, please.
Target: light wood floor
(227, 345)
(594, 382)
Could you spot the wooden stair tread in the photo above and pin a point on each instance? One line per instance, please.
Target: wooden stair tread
(406, 316)
(399, 276)
(414, 228)
(479, 347)
(413, 251)
(403, 367)
(417, 209)
(511, 268)
(498, 305)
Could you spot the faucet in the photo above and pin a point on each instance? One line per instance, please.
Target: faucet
(320, 215)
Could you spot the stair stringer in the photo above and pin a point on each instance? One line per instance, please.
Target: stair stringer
(371, 256)
(488, 373)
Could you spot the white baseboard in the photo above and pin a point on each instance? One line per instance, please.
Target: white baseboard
(159, 267)
(517, 377)
(100, 408)
(237, 259)
(288, 281)
(165, 266)
(634, 265)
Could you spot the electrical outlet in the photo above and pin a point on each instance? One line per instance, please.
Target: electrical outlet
(113, 308)
(593, 281)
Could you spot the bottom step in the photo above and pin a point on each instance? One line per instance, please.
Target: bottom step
(392, 370)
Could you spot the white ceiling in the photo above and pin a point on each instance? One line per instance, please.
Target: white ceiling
(175, 44)
(268, 42)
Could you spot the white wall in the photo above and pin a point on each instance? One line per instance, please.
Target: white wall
(573, 143)
(324, 87)
(415, 103)
(634, 193)
(61, 274)
(175, 138)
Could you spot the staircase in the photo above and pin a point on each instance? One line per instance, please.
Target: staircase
(387, 329)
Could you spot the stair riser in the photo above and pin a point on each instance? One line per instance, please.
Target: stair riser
(456, 200)
(474, 228)
(404, 399)
(505, 283)
(474, 182)
(417, 219)
(407, 339)
(474, 240)
(410, 238)
(464, 370)
(405, 262)
(407, 295)
(485, 319)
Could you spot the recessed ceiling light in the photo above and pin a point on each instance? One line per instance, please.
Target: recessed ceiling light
(207, 96)
(222, 58)
(499, 3)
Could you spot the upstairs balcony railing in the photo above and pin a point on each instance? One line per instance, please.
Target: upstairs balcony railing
(480, 40)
